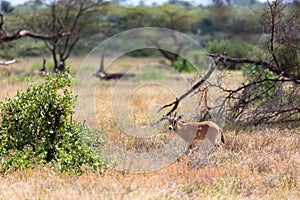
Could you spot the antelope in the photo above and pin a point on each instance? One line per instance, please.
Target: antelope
(191, 131)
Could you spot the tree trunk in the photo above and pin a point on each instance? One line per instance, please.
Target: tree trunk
(54, 61)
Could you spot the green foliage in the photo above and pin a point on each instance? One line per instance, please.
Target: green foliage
(205, 25)
(37, 128)
(182, 65)
(266, 88)
(288, 58)
(245, 2)
(103, 21)
(230, 48)
(30, 47)
(10, 51)
(144, 53)
(22, 48)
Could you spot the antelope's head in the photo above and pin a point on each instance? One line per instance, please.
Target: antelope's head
(172, 121)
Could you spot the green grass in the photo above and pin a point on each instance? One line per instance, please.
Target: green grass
(149, 75)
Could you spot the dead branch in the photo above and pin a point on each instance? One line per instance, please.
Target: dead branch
(168, 55)
(262, 98)
(101, 74)
(6, 36)
(171, 56)
(224, 59)
(192, 89)
(110, 76)
(8, 62)
(275, 12)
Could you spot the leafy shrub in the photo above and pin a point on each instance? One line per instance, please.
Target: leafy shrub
(37, 128)
(230, 48)
(140, 53)
(10, 50)
(30, 47)
(267, 88)
(22, 48)
(182, 65)
(206, 26)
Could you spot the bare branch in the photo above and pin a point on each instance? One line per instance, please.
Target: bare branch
(271, 67)
(264, 97)
(275, 19)
(168, 55)
(192, 89)
(108, 76)
(6, 36)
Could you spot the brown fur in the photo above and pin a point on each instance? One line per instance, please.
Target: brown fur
(202, 131)
(191, 131)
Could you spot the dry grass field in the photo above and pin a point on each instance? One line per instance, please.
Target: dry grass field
(258, 163)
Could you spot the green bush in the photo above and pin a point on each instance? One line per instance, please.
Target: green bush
(230, 48)
(37, 128)
(140, 53)
(8, 50)
(182, 65)
(22, 48)
(266, 88)
(252, 72)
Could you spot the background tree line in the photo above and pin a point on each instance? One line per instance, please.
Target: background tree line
(97, 20)
(229, 27)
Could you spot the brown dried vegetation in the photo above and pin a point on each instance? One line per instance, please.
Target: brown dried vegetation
(258, 163)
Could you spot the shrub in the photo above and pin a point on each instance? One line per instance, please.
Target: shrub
(230, 48)
(22, 48)
(37, 127)
(182, 65)
(266, 88)
(252, 72)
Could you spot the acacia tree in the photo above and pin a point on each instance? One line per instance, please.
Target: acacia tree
(73, 16)
(11, 35)
(174, 18)
(271, 90)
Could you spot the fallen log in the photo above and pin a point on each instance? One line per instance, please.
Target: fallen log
(8, 62)
(109, 76)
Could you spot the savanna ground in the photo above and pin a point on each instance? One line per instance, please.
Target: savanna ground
(255, 163)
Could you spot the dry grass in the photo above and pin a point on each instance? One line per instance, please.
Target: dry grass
(263, 163)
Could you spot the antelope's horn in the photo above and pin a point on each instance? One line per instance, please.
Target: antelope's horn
(164, 118)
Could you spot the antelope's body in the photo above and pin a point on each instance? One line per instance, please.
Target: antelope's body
(191, 131)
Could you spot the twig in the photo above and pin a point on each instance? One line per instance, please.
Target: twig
(198, 84)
